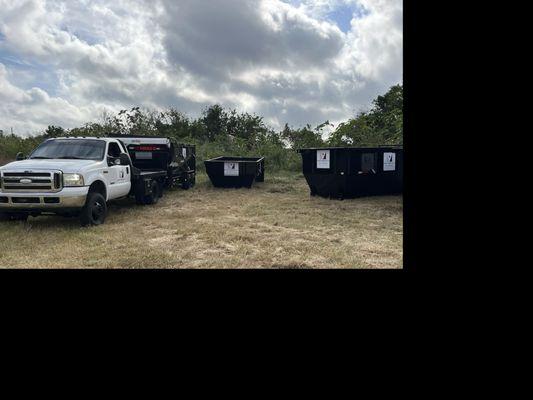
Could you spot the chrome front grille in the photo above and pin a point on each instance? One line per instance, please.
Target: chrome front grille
(30, 181)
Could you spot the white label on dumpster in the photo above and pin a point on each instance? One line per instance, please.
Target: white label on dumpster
(322, 159)
(231, 169)
(389, 161)
(184, 152)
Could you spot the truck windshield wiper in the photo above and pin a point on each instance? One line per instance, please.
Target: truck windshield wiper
(41, 158)
(70, 158)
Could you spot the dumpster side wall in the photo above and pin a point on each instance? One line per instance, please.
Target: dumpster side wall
(250, 169)
(354, 172)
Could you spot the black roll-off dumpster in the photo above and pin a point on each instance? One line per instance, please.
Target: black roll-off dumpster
(235, 171)
(341, 172)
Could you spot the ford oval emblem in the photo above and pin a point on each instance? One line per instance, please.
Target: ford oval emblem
(25, 181)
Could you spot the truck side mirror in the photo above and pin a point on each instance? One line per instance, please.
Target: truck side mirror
(20, 156)
(124, 159)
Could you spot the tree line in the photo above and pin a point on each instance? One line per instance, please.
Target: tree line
(219, 131)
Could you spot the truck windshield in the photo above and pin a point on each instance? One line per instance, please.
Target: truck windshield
(75, 149)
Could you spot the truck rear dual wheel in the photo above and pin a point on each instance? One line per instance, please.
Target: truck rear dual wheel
(152, 198)
(95, 210)
(156, 194)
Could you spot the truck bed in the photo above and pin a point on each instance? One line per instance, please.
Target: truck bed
(148, 173)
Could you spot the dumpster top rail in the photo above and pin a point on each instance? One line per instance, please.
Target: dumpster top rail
(236, 159)
(396, 147)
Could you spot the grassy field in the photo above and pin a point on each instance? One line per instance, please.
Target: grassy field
(276, 224)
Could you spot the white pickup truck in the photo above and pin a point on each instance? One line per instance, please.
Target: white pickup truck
(75, 177)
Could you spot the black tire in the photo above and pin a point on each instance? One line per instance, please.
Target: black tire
(13, 217)
(95, 210)
(139, 198)
(156, 194)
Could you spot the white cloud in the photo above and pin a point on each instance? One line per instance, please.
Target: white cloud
(31, 110)
(282, 60)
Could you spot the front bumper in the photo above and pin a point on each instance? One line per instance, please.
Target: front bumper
(72, 197)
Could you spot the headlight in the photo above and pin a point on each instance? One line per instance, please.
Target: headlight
(72, 180)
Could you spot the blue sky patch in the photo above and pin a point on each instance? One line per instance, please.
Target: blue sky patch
(83, 34)
(26, 75)
(342, 17)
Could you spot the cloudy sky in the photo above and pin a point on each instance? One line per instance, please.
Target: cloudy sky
(293, 61)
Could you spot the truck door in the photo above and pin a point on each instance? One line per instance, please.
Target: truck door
(124, 177)
(119, 175)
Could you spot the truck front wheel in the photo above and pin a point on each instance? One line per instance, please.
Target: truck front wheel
(94, 211)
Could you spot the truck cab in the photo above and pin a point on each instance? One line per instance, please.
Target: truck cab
(74, 176)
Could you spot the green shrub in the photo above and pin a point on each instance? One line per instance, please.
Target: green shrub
(220, 132)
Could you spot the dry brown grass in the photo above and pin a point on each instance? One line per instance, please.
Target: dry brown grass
(275, 224)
